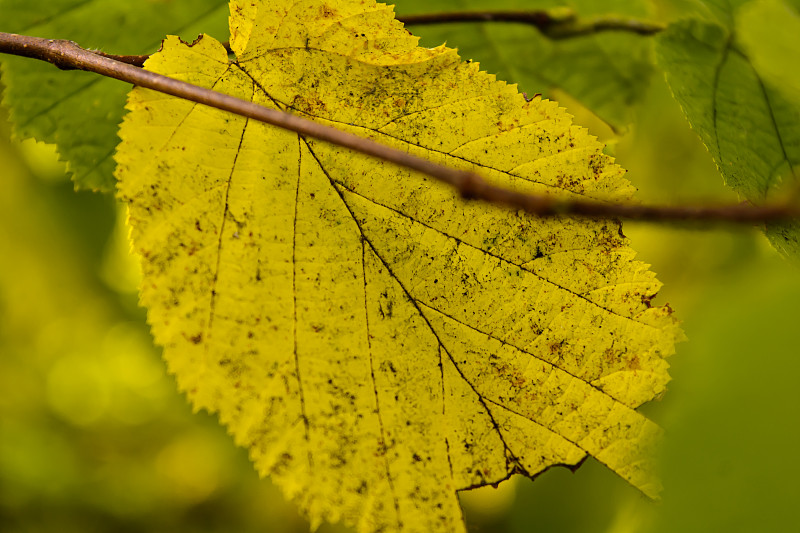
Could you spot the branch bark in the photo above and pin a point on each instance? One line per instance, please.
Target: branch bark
(558, 23)
(67, 55)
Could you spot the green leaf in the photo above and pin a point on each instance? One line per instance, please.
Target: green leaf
(80, 111)
(608, 72)
(377, 342)
(751, 128)
(721, 11)
(769, 31)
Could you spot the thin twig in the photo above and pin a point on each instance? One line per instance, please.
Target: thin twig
(136, 61)
(604, 23)
(68, 56)
(558, 23)
(540, 18)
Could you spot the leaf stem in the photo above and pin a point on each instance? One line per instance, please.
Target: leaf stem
(69, 56)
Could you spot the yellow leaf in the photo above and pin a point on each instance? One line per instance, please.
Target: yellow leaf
(376, 342)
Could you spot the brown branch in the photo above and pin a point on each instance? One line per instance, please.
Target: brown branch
(603, 23)
(558, 23)
(136, 61)
(541, 18)
(68, 56)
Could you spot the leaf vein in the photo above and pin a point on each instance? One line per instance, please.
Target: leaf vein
(294, 306)
(497, 257)
(375, 387)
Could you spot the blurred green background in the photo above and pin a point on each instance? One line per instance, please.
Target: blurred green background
(95, 438)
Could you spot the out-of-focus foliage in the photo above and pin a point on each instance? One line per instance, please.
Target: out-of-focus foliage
(731, 457)
(79, 111)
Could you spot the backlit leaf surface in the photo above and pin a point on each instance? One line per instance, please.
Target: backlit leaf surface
(375, 341)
